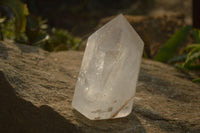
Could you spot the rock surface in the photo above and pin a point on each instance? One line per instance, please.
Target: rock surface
(36, 89)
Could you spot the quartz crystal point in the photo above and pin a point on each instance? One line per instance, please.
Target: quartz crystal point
(107, 79)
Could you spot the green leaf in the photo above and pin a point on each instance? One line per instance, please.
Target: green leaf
(42, 23)
(168, 50)
(196, 35)
(189, 47)
(8, 29)
(181, 67)
(193, 67)
(41, 37)
(197, 80)
(20, 11)
(194, 50)
(76, 45)
(178, 58)
(2, 20)
(192, 58)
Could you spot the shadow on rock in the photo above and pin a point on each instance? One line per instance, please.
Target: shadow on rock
(3, 51)
(162, 87)
(165, 124)
(27, 48)
(120, 125)
(20, 116)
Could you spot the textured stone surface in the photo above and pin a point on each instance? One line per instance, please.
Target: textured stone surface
(107, 80)
(37, 93)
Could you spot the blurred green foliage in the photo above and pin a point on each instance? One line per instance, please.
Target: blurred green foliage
(20, 11)
(62, 40)
(29, 29)
(8, 29)
(189, 59)
(168, 50)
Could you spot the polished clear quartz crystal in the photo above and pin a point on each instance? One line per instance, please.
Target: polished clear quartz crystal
(107, 80)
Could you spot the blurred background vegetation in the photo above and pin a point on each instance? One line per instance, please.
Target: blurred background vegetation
(66, 24)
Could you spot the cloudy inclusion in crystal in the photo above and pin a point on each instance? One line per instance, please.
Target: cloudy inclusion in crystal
(107, 79)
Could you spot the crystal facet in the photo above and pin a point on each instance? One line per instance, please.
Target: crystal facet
(107, 79)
